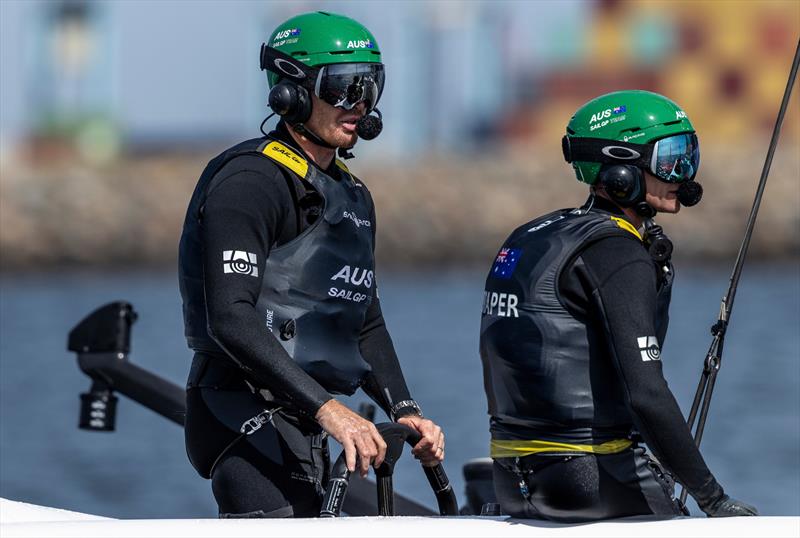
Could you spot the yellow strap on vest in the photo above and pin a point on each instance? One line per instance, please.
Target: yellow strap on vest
(501, 448)
(627, 226)
(343, 166)
(288, 158)
(348, 174)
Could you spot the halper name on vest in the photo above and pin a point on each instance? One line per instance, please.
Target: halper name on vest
(500, 304)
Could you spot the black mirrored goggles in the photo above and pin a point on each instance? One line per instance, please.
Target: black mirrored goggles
(674, 159)
(346, 85)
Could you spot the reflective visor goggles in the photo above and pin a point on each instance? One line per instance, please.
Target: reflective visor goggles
(674, 159)
(339, 85)
(346, 85)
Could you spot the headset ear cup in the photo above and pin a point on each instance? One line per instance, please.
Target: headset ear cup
(282, 98)
(303, 106)
(290, 101)
(640, 188)
(623, 183)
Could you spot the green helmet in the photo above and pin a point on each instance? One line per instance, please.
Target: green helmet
(321, 38)
(635, 116)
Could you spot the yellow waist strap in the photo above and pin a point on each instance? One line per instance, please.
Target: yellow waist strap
(503, 448)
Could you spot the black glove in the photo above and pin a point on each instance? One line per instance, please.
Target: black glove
(727, 506)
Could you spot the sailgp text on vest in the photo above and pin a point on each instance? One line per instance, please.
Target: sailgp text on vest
(500, 304)
(354, 276)
(359, 222)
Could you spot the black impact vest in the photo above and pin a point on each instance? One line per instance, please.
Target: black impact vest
(315, 289)
(547, 374)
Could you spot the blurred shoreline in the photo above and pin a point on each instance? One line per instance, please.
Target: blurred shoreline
(434, 212)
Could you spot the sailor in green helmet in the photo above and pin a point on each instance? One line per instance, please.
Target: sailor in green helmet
(279, 288)
(574, 318)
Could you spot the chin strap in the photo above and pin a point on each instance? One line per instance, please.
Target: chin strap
(308, 133)
(367, 128)
(343, 153)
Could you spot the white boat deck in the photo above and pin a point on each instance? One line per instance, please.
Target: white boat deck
(19, 519)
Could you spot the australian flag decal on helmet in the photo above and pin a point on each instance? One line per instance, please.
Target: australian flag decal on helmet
(505, 262)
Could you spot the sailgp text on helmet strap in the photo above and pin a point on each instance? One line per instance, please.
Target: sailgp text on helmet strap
(311, 135)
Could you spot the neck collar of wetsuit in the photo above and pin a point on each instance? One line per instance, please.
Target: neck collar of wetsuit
(281, 134)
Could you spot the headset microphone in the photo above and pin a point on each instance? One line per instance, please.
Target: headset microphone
(369, 126)
(690, 193)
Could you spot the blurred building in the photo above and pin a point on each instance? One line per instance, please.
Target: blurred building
(69, 82)
(725, 62)
(109, 111)
(460, 74)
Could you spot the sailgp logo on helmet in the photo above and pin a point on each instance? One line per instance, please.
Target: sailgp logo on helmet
(286, 37)
(680, 114)
(621, 152)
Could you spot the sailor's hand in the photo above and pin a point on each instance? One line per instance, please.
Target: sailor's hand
(729, 507)
(359, 437)
(430, 449)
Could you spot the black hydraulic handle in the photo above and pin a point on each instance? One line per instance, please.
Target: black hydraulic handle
(154, 392)
(337, 489)
(396, 435)
(102, 341)
(445, 497)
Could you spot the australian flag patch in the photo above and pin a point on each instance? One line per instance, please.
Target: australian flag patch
(505, 262)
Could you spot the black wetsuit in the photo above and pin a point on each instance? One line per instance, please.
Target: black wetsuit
(591, 390)
(249, 204)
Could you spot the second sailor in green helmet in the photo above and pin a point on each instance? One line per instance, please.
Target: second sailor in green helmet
(574, 318)
(278, 279)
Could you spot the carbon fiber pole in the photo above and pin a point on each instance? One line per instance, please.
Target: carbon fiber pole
(713, 360)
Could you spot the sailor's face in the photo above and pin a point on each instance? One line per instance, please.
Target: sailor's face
(662, 196)
(336, 126)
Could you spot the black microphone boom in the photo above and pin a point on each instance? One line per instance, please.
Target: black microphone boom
(713, 359)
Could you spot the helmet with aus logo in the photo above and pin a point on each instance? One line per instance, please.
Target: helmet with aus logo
(636, 116)
(322, 38)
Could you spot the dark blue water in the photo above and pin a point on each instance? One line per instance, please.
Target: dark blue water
(752, 442)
